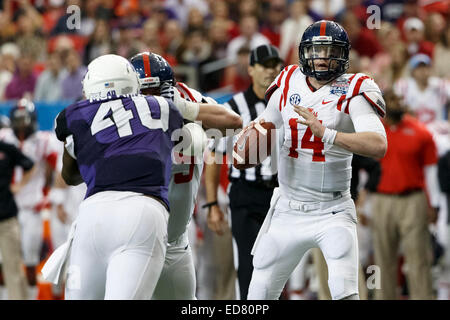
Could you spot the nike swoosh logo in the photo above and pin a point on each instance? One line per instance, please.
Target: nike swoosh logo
(325, 102)
(242, 145)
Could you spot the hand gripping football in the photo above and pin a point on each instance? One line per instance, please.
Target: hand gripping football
(253, 146)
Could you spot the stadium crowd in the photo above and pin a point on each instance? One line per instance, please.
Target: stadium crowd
(45, 49)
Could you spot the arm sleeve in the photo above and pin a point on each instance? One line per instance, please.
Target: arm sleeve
(432, 184)
(272, 113)
(430, 154)
(61, 129)
(364, 117)
(175, 117)
(20, 159)
(430, 160)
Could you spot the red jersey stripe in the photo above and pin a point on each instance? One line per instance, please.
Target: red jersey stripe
(286, 83)
(358, 85)
(186, 89)
(339, 104)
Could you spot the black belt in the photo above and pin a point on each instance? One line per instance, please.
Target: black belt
(261, 184)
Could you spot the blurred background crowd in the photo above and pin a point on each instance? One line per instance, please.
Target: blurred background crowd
(44, 51)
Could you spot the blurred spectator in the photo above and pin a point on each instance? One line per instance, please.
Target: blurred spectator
(24, 79)
(29, 37)
(195, 19)
(218, 37)
(389, 65)
(220, 11)
(71, 86)
(362, 39)
(126, 45)
(62, 26)
(7, 28)
(99, 42)
(292, 29)
(249, 8)
(442, 55)
(327, 9)
(197, 53)
(197, 48)
(426, 96)
(236, 76)
(410, 9)
(50, 16)
(434, 27)
(414, 31)
(161, 14)
(150, 35)
(173, 37)
(276, 14)
(250, 37)
(48, 87)
(9, 54)
(183, 7)
(88, 17)
(401, 211)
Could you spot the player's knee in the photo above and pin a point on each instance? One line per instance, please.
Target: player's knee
(266, 252)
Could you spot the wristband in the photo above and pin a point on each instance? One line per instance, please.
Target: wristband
(191, 110)
(209, 204)
(329, 135)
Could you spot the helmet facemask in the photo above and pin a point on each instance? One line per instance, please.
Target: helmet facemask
(333, 54)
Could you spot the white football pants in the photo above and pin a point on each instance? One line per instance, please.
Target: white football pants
(296, 227)
(31, 236)
(118, 247)
(177, 280)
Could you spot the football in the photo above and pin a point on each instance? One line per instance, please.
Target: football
(253, 146)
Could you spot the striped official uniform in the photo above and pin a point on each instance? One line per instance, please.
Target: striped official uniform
(250, 190)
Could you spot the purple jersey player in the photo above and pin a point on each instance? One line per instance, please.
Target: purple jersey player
(119, 143)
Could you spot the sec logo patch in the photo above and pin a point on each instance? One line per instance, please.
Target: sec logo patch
(295, 99)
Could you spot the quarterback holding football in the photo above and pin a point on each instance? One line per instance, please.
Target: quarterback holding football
(327, 115)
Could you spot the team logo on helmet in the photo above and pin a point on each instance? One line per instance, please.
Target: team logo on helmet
(295, 99)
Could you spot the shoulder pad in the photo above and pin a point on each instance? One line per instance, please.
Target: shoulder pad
(189, 93)
(376, 101)
(359, 83)
(364, 85)
(281, 81)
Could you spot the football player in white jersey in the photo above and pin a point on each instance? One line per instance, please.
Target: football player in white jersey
(426, 96)
(328, 115)
(177, 280)
(41, 147)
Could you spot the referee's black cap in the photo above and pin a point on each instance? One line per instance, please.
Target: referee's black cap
(263, 54)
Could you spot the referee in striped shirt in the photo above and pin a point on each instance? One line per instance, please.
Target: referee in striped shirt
(250, 190)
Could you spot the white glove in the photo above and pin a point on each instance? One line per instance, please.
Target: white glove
(189, 110)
